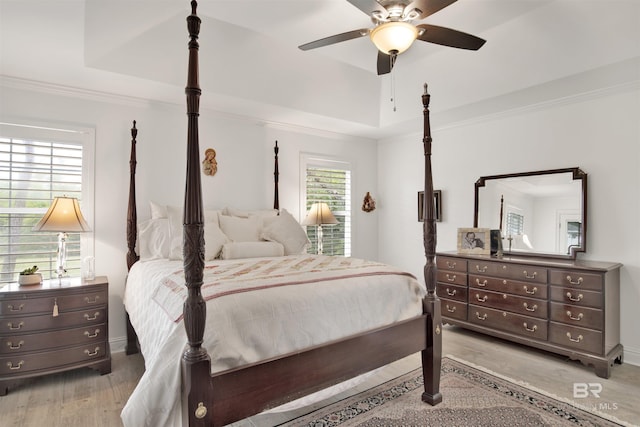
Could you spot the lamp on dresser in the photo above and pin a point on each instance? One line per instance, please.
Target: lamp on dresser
(64, 216)
(320, 215)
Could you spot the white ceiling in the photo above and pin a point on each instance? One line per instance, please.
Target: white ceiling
(536, 51)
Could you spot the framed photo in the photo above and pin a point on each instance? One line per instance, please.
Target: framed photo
(476, 241)
(437, 201)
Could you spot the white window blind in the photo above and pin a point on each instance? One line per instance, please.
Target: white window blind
(330, 182)
(515, 224)
(32, 172)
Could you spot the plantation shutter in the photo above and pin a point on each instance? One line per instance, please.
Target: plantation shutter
(32, 172)
(330, 183)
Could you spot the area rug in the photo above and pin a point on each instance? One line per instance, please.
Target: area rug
(472, 396)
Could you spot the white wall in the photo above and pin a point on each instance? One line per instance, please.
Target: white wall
(245, 167)
(600, 133)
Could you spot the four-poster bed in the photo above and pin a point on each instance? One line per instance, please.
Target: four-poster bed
(213, 394)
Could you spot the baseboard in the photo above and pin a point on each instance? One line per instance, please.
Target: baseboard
(117, 344)
(632, 356)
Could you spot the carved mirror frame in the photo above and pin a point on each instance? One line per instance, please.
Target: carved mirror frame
(576, 174)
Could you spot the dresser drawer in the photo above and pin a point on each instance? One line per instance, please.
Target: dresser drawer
(453, 309)
(25, 363)
(20, 325)
(513, 303)
(454, 292)
(15, 344)
(579, 316)
(587, 340)
(576, 279)
(451, 264)
(538, 290)
(525, 326)
(455, 278)
(45, 304)
(526, 273)
(577, 297)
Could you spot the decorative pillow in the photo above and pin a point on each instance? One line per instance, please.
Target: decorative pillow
(235, 250)
(154, 239)
(286, 230)
(246, 213)
(157, 211)
(241, 229)
(214, 240)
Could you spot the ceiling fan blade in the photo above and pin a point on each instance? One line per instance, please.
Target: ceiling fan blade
(370, 6)
(429, 7)
(335, 39)
(449, 37)
(385, 62)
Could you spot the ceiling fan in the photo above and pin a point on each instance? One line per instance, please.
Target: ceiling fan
(394, 31)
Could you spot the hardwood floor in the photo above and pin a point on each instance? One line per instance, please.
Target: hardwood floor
(84, 398)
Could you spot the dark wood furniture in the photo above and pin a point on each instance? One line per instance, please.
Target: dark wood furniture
(53, 327)
(221, 398)
(566, 307)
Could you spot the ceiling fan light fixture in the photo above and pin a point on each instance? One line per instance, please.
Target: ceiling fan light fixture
(393, 36)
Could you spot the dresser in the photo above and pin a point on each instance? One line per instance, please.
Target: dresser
(53, 327)
(566, 307)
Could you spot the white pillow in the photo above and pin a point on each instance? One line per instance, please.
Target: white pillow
(154, 238)
(247, 213)
(214, 239)
(235, 250)
(286, 230)
(157, 211)
(241, 229)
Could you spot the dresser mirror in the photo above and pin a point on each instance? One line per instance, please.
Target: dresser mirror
(540, 213)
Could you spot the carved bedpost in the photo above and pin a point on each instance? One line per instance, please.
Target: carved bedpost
(276, 174)
(431, 357)
(132, 234)
(195, 360)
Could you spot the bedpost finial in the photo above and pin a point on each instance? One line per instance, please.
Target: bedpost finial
(194, 6)
(426, 92)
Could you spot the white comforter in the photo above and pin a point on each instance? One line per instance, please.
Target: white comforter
(278, 316)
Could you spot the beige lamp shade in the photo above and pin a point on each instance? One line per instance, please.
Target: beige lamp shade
(319, 214)
(64, 215)
(394, 36)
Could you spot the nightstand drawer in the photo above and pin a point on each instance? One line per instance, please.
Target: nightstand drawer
(21, 325)
(15, 344)
(21, 364)
(45, 304)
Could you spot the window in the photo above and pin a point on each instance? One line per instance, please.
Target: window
(329, 181)
(37, 164)
(515, 224)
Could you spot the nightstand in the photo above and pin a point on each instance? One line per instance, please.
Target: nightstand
(53, 327)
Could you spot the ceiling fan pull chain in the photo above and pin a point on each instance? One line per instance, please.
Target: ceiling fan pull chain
(393, 84)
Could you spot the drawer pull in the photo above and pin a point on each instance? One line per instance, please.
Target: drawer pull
(579, 317)
(530, 292)
(483, 317)
(92, 335)
(451, 278)
(579, 298)
(451, 309)
(483, 299)
(483, 284)
(532, 276)
(451, 265)
(13, 346)
(92, 301)
(16, 367)
(12, 327)
(14, 309)
(534, 307)
(580, 337)
(577, 282)
(451, 292)
(481, 269)
(92, 353)
(532, 329)
(94, 317)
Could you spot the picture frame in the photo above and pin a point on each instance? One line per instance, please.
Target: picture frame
(475, 241)
(437, 200)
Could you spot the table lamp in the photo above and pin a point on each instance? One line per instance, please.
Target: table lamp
(320, 215)
(63, 216)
